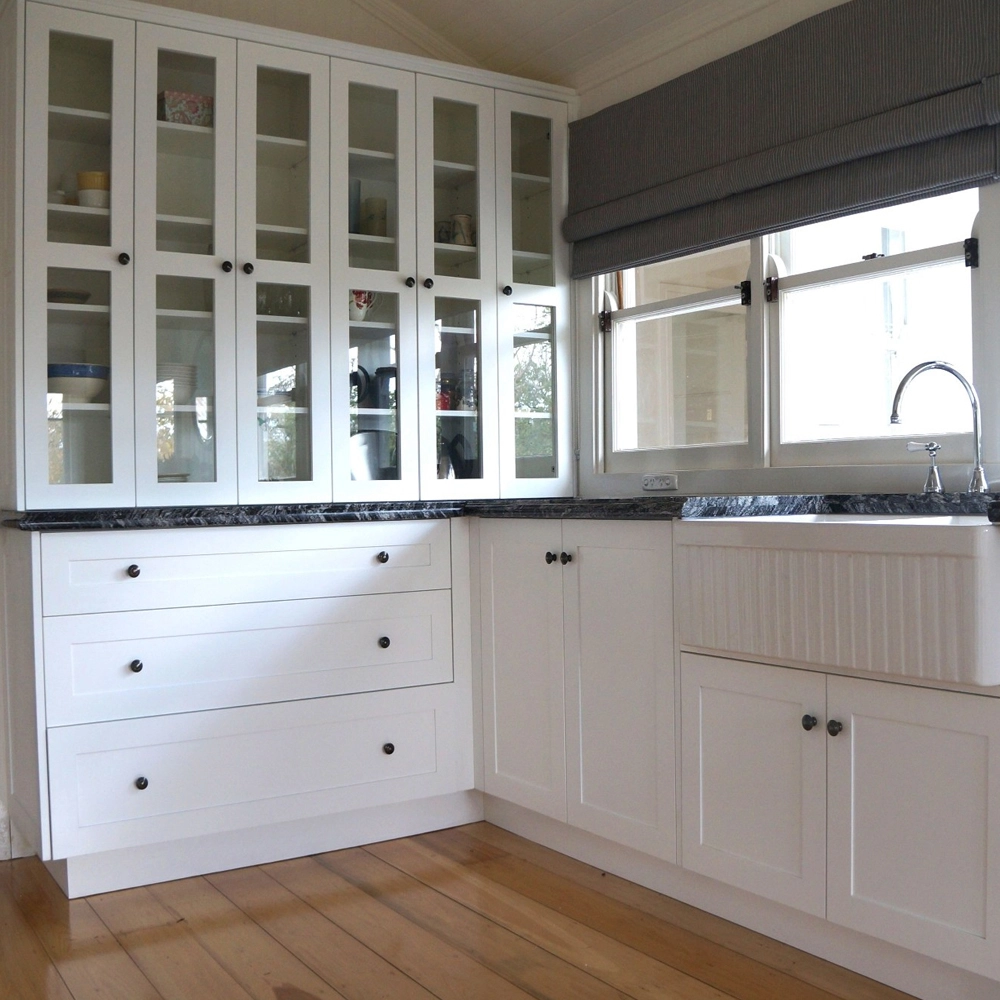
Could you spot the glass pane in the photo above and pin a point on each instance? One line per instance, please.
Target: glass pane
(531, 199)
(79, 180)
(457, 331)
(373, 181)
(284, 426)
(79, 355)
(863, 336)
(456, 187)
(185, 380)
(282, 165)
(534, 392)
(185, 153)
(916, 225)
(711, 270)
(375, 406)
(681, 380)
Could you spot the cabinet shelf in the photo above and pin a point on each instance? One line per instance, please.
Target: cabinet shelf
(285, 154)
(531, 415)
(281, 242)
(282, 408)
(104, 408)
(79, 315)
(80, 220)
(365, 411)
(460, 331)
(371, 164)
(533, 337)
(528, 185)
(461, 414)
(176, 139)
(77, 125)
(453, 175)
(375, 252)
(184, 229)
(282, 324)
(165, 411)
(453, 254)
(184, 319)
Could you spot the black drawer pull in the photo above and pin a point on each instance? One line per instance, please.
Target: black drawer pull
(135, 666)
(550, 557)
(808, 722)
(834, 727)
(383, 557)
(142, 784)
(384, 642)
(133, 571)
(565, 557)
(388, 748)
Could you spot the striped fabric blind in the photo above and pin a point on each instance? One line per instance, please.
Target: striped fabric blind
(869, 103)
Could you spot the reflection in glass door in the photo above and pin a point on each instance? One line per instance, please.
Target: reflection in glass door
(458, 363)
(534, 391)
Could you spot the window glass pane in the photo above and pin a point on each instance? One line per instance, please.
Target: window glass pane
(681, 380)
(723, 267)
(845, 346)
(916, 225)
(534, 389)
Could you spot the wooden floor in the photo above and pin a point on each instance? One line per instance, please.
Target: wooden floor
(473, 913)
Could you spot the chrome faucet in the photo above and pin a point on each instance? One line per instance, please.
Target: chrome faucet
(978, 482)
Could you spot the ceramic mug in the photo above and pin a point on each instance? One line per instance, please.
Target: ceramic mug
(360, 302)
(461, 230)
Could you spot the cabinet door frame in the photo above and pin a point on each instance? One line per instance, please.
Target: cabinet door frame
(555, 296)
(315, 274)
(960, 719)
(39, 492)
(343, 277)
(797, 693)
(151, 263)
(620, 683)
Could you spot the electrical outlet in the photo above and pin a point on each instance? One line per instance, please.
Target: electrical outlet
(667, 481)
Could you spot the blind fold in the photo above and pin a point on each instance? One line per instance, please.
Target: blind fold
(870, 103)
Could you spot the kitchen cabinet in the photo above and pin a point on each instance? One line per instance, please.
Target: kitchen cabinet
(578, 674)
(873, 804)
(244, 191)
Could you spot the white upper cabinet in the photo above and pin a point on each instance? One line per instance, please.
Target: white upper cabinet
(78, 243)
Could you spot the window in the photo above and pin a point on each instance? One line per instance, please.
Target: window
(696, 380)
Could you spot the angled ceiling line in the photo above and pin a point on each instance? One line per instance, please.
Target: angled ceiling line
(416, 31)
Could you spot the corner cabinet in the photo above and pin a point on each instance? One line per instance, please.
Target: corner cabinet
(267, 274)
(578, 677)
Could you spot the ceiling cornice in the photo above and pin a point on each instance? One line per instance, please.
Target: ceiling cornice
(416, 31)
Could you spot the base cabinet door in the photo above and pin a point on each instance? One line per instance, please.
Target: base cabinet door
(619, 682)
(914, 819)
(753, 778)
(522, 636)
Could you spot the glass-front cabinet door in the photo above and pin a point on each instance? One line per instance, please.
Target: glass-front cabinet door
(532, 311)
(456, 287)
(78, 284)
(185, 281)
(373, 285)
(282, 273)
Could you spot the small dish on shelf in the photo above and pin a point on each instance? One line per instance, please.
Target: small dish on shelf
(68, 296)
(78, 383)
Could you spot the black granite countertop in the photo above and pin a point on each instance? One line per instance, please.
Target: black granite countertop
(621, 508)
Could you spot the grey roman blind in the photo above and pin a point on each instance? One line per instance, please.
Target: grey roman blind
(869, 103)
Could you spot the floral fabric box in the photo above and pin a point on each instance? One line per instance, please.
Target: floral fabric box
(184, 109)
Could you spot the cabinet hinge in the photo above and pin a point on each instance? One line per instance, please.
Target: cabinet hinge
(744, 287)
(770, 289)
(971, 252)
(604, 320)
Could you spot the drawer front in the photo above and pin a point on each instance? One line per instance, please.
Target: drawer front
(209, 772)
(143, 663)
(93, 572)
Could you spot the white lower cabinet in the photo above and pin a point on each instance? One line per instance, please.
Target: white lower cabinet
(578, 674)
(882, 815)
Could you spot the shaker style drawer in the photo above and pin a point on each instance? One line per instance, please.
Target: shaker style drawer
(92, 572)
(140, 663)
(122, 784)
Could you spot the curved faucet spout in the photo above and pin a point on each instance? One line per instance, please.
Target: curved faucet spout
(978, 482)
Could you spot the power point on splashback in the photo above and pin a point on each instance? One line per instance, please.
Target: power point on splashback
(666, 481)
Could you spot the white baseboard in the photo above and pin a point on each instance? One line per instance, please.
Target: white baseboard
(123, 869)
(904, 970)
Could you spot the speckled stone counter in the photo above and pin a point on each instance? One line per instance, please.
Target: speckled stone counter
(622, 508)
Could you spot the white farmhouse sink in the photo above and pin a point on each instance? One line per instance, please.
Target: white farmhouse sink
(904, 595)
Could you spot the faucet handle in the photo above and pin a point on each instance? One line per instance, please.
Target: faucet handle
(933, 482)
(931, 447)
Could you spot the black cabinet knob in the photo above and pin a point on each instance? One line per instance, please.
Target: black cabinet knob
(833, 727)
(507, 290)
(411, 281)
(135, 666)
(808, 722)
(550, 557)
(248, 268)
(142, 784)
(227, 266)
(124, 258)
(133, 571)
(384, 642)
(565, 557)
(383, 557)
(428, 282)
(388, 748)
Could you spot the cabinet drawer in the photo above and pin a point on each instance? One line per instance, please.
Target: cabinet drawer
(225, 770)
(140, 663)
(85, 573)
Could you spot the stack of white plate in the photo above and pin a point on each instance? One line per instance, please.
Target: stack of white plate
(183, 377)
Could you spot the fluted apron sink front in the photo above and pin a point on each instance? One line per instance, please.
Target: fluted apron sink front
(899, 594)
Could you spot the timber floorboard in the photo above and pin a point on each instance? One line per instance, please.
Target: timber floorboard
(473, 913)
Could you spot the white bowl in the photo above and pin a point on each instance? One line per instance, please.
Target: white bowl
(78, 390)
(93, 198)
